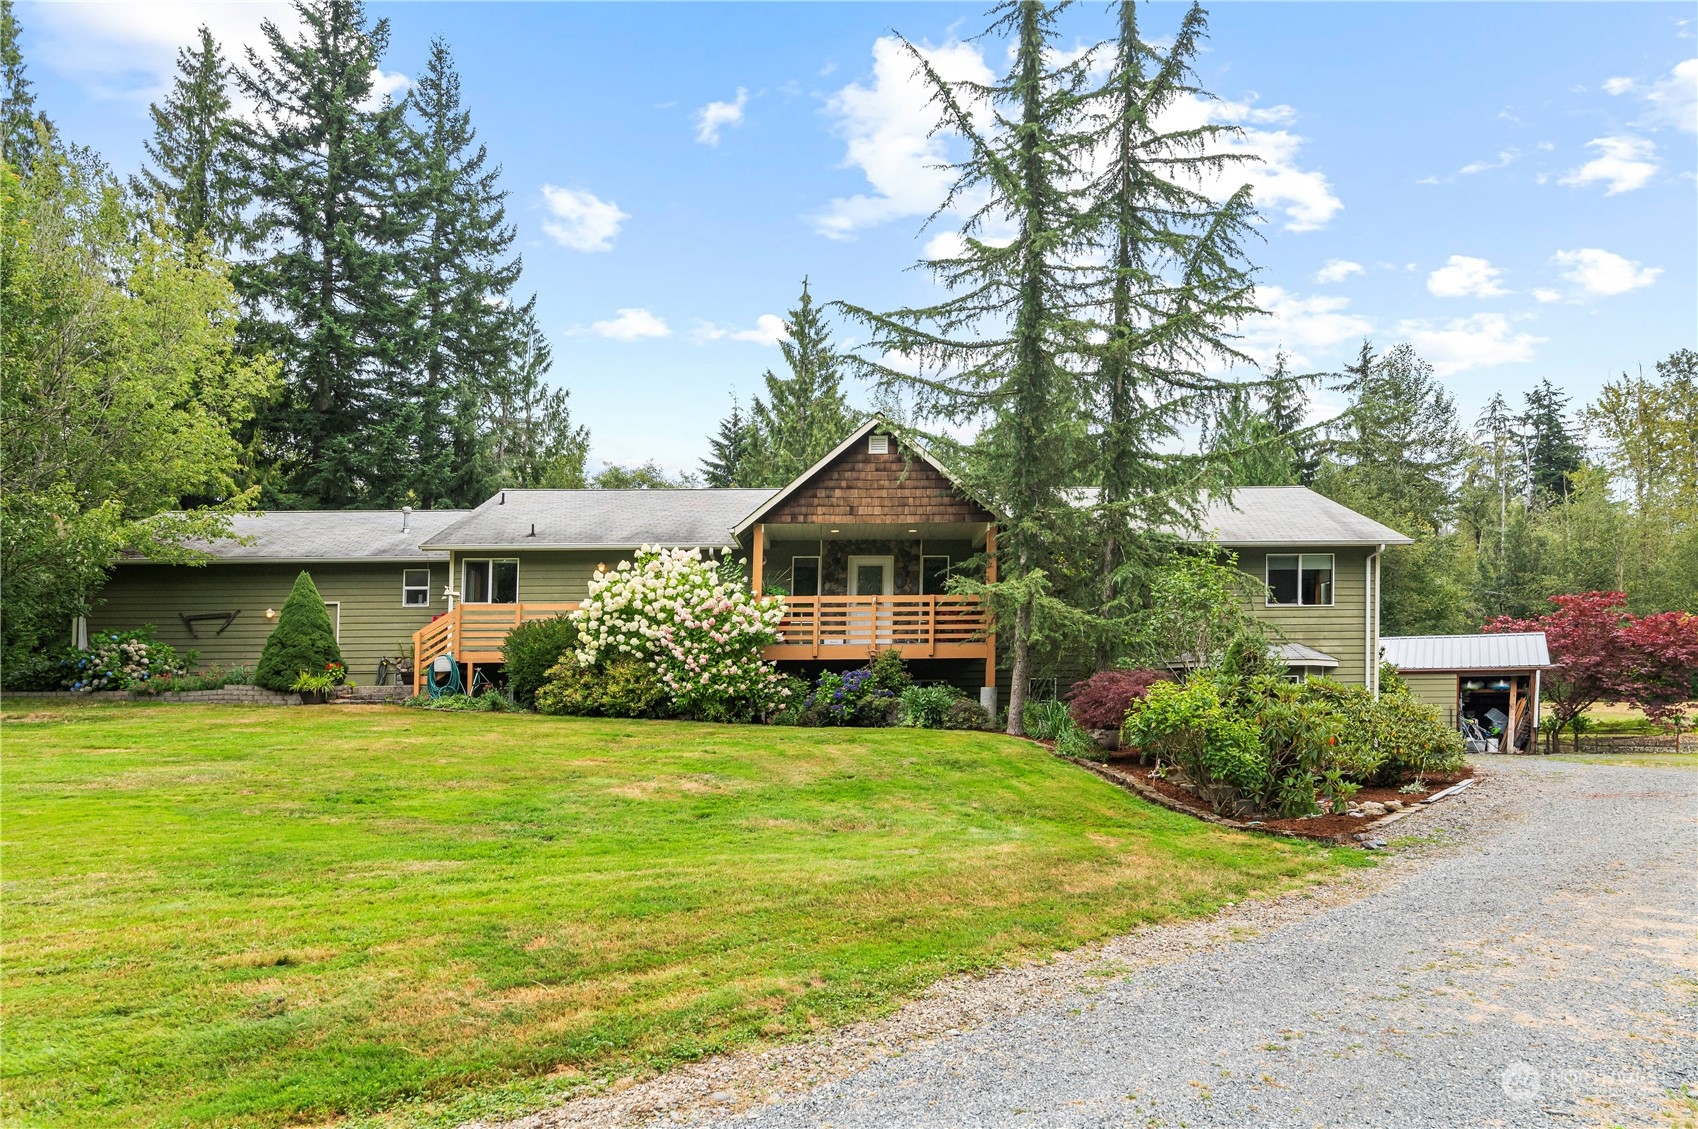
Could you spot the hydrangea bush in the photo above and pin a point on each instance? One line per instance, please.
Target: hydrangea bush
(121, 660)
(701, 633)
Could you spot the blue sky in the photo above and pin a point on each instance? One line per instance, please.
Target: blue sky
(1509, 186)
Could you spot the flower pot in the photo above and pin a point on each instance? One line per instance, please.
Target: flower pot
(313, 697)
(404, 676)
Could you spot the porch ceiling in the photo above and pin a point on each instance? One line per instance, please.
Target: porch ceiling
(891, 531)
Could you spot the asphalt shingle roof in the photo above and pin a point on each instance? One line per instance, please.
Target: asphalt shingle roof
(332, 535)
(1518, 651)
(1290, 515)
(601, 519)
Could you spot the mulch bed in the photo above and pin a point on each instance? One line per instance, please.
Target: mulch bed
(1335, 827)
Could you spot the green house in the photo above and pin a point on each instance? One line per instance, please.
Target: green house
(861, 546)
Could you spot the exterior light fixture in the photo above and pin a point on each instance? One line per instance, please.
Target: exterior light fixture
(835, 531)
(913, 531)
(270, 613)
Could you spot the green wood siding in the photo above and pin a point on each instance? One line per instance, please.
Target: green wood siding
(372, 624)
(1336, 630)
(1436, 689)
(548, 577)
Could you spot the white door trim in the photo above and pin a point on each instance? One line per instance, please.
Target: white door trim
(855, 564)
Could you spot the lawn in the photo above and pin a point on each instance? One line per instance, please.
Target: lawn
(247, 916)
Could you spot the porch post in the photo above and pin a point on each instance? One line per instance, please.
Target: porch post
(990, 640)
(757, 557)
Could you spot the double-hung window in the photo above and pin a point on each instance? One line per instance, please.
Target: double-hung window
(415, 587)
(1300, 579)
(491, 581)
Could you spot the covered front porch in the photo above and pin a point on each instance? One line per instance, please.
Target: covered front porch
(851, 590)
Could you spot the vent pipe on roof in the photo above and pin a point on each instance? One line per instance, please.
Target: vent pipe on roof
(533, 529)
(503, 501)
(406, 514)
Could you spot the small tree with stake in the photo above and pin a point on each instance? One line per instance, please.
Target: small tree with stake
(304, 641)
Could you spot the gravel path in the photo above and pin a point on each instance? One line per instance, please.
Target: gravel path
(1530, 958)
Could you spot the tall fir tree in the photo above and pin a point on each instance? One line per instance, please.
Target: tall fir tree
(463, 279)
(805, 414)
(1396, 457)
(733, 451)
(194, 162)
(529, 435)
(20, 122)
(1554, 454)
(996, 351)
(1287, 404)
(327, 288)
(1173, 286)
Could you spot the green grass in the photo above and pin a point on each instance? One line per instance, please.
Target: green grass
(1637, 760)
(245, 916)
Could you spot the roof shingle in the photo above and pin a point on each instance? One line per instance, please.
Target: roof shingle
(601, 519)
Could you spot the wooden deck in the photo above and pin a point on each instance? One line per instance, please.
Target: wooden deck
(849, 628)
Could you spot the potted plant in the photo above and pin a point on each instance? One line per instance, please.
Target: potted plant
(404, 673)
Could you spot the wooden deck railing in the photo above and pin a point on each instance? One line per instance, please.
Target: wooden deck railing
(828, 627)
(814, 627)
(474, 633)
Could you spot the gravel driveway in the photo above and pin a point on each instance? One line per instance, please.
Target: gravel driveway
(1531, 960)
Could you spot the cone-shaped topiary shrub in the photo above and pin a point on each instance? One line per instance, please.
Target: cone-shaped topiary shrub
(304, 640)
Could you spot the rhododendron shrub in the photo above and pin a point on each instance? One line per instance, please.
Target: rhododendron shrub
(700, 633)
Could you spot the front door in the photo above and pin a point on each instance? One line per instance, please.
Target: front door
(871, 576)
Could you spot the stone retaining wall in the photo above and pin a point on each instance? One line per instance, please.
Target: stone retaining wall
(228, 695)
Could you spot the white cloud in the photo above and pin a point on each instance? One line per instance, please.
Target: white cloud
(715, 116)
(1624, 163)
(1304, 196)
(1504, 159)
(1464, 276)
(386, 85)
(582, 221)
(769, 330)
(1670, 102)
(631, 324)
(128, 51)
(1544, 295)
(1601, 273)
(1302, 326)
(1337, 270)
(887, 126)
(1471, 342)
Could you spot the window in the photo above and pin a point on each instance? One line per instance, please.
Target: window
(870, 576)
(1304, 579)
(804, 576)
(934, 575)
(490, 582)
(415, 587)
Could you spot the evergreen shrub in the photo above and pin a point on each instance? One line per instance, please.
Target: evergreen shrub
(528, 652)
(621, 687)
(304, 639)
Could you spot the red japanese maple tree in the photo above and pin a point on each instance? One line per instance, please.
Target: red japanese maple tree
(1603, 654)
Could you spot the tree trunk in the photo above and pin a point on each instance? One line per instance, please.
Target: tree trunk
(1021, 673)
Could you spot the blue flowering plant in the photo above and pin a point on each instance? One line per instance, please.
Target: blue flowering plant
(122, 660)
(870, 696)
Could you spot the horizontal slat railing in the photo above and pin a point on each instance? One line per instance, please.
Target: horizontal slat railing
(475, 632)
(849, 626)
